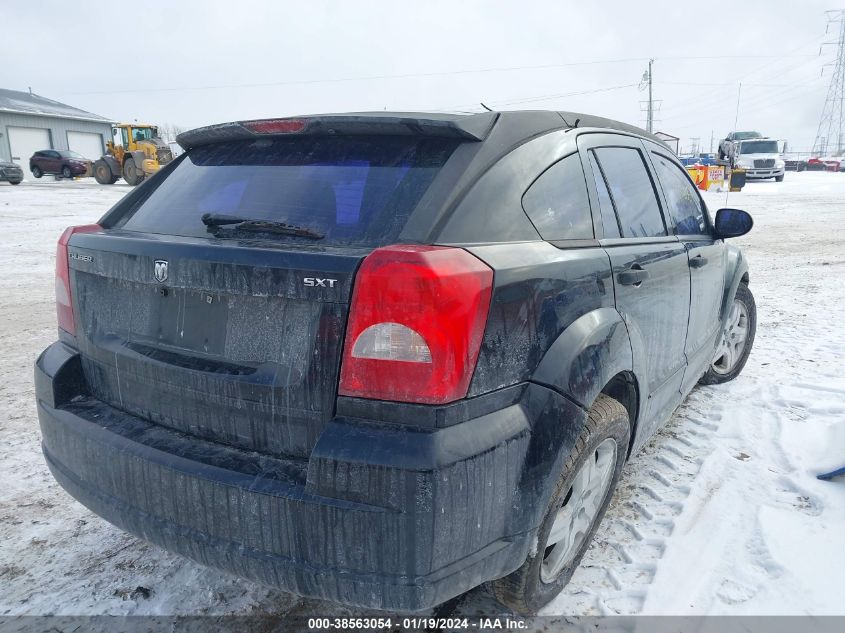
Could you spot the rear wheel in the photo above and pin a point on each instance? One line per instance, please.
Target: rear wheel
(131, 173)
(102, 173)
(36, 171)
(736, 340)
(66, 172)
(578, 504)
(14, 182)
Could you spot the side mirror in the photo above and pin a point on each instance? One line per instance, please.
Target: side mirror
(732, 223)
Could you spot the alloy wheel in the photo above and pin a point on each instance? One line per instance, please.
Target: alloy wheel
(581, 506)
(733, 340)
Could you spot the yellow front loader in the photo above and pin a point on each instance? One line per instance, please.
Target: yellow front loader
(135, 152)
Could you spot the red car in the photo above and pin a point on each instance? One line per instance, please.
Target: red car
(62, 162)
(824, 164)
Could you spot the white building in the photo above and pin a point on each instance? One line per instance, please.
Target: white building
(29, 123)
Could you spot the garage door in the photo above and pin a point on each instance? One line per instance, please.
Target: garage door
(89, 144)
(24, 142)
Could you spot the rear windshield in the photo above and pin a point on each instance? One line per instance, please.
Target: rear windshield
(351, 190)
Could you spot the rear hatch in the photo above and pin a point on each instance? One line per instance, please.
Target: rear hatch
(234, 332)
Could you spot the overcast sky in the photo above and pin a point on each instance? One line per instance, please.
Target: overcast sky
(194, 63)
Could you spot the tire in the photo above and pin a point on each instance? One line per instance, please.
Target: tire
(727, 366)
(36, 171)
(131, 173)
(14, 182)
(779, 178)
(66, 172)
(103, 174)
(537, 582)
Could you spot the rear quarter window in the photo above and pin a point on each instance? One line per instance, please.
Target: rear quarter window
(557, 202)
(352, 190)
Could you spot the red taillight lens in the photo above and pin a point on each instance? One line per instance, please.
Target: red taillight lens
(275, 126)
(64, 303)
(415, 326)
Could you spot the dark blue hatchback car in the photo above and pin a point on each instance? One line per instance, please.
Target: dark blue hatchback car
(383, 358)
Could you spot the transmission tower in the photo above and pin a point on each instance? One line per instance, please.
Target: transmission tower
(830, 133)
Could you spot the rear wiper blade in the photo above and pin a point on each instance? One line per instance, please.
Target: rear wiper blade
(213, 220)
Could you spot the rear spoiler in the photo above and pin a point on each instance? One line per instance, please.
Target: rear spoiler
(467, 127)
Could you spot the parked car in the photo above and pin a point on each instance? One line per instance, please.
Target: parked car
(727, 145)
(826, 164)
(10, 172)
(61, 162)
(383, 358)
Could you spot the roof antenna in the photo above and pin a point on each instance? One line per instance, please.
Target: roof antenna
(577, 121)
(485, 107)
(30, 90)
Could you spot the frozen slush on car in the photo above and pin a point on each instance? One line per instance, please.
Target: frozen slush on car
(384, 358)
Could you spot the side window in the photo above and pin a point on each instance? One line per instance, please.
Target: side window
(685, 206)
(557, 202)
(608, 215)
(632, 191)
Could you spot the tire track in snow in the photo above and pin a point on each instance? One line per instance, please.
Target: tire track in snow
(618, 568)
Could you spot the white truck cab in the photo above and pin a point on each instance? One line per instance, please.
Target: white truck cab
(760, 158)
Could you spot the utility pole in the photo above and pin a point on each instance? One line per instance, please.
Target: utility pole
(650, 127)
(711, 141)
(830, 131)
(646, 81)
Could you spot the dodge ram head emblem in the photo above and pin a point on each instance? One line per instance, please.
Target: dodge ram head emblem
(161, 270)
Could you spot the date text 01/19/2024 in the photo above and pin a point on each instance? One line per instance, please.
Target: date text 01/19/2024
(418, 623)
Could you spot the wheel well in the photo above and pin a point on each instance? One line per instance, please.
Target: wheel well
(623, 388)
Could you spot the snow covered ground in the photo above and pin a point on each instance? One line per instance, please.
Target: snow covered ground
(720, 514)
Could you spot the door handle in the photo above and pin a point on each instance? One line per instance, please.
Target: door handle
(698, 262)
(634, 276)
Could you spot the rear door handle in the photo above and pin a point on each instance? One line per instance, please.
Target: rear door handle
(634, 276)
(698, 262)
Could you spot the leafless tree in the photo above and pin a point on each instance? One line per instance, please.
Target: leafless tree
(169, 131)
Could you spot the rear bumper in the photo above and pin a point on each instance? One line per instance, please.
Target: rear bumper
(379, 516)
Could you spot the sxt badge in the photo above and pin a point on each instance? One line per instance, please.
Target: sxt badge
(319, 283)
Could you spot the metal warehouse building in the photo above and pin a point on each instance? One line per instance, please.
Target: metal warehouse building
(29, 123)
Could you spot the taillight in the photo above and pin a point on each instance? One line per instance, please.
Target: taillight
(64, 303)
(275, 126)
(415, 326)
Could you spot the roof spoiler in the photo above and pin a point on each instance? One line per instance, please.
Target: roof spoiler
(469, 128)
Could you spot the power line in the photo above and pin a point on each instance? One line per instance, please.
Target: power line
(547, 97)
(708, 95)
(329, 80)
